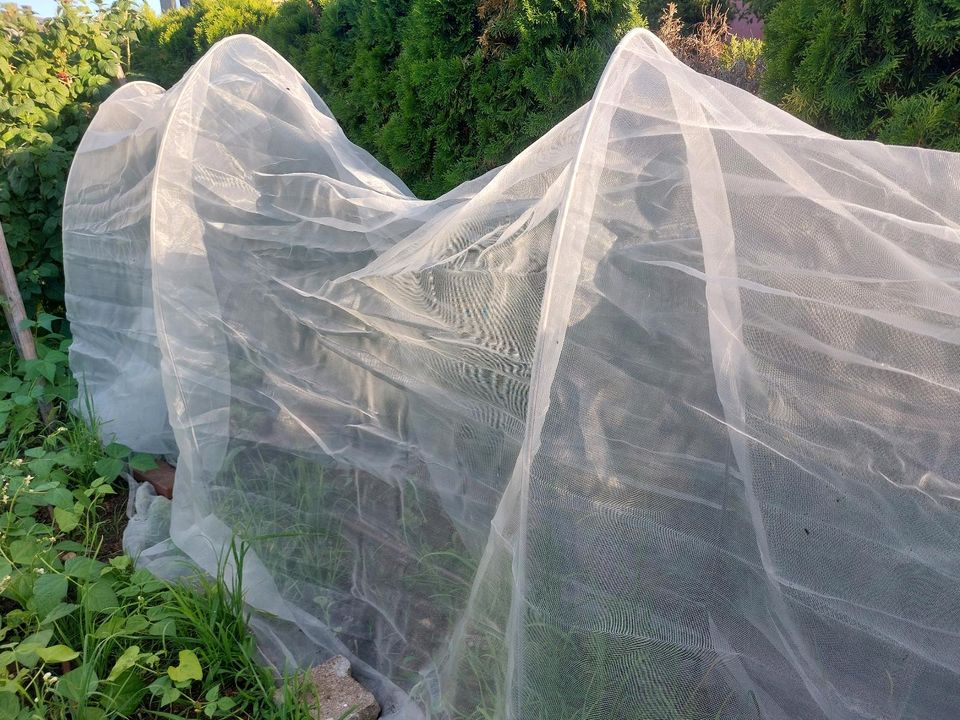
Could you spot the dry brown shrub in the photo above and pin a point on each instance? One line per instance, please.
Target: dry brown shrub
(710, 48)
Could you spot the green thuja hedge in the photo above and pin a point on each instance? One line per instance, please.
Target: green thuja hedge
(351, 61)
(869, 68)
(439, 90)
(170, 43)
(473, 88)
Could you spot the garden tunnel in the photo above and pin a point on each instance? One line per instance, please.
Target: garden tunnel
(658, 421)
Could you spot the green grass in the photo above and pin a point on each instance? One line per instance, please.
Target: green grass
(84, 635)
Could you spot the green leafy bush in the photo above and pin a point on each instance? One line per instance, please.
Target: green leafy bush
(170, 43)
(233, 17)
(51, 75)
(82, 633)
(167, 46)
(872, 68)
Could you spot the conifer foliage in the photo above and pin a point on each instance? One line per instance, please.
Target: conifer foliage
(442, 91)
(869, 68)
(439, 90)
(482, 81)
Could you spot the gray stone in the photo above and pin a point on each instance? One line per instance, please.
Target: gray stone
(333, 694)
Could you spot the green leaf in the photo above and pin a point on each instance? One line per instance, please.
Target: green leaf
(105, 489)
(48, 592)
(46, 321)
(148, 583)
(66, 519)
(24, 552)
(136, 624)
(225, 703)
(57, 654)
(9, 384)
(17, 618)
(59, 357)
(67, 458)
(169, 696)
(78, 685)
(126, 661)
(121, 562)
(108, 467)
(69, 546)
(60, 611)
(9, 705)
(61, 498)
(122, 696)
(41, 467)
(99, 597)
(26, 651)
(48, 370)
(143, 462)
(84, 568)
(109, 627)
(117, 451)
(91, 713)
(189, 668)
(164, 628)
(10, 687)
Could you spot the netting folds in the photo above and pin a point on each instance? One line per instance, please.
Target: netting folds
(658, 421)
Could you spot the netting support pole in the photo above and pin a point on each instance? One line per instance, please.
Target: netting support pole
(15, 313)
(13, 304)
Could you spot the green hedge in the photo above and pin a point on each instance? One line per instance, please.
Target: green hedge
(443, 90)
(51, 75)
(870, 68)
(170, 43)
(439, 90)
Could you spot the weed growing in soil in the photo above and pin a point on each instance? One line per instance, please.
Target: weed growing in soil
(84, 635)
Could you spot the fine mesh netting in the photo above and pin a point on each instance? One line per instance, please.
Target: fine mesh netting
(656, 422)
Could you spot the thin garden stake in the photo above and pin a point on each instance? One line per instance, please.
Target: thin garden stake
(13, 304)
(15, 313)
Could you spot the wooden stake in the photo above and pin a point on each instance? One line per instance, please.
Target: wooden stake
(14, 311)
(13, 304)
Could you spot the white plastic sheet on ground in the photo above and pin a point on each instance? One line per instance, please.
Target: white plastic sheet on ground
(658, 421)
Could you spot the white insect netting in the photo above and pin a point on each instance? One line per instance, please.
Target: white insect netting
(658, 421)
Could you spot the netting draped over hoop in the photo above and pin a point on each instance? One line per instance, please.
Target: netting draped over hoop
(658, 421)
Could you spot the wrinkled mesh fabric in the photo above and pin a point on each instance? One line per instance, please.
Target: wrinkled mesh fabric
(657, 421)
(106, 246)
